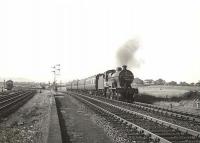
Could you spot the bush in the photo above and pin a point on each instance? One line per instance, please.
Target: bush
(150, 99)
(145, 98)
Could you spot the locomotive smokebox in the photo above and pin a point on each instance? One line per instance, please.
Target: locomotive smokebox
(122, 78)
(124, 67)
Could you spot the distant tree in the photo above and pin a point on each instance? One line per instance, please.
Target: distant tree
(184, 83)
(138, 81)
(172, 83)
(192, 84)
(160, 82)
(198, 83)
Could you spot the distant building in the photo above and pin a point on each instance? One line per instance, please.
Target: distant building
(149, 82)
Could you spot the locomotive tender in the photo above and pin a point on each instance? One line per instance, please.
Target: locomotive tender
(113, 84)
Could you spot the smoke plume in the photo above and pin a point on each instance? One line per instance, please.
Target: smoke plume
(126, 54)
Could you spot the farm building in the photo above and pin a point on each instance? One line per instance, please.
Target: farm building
(149, 82)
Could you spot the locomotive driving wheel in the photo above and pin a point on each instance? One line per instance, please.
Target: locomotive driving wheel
(119, 96)
(109, 94)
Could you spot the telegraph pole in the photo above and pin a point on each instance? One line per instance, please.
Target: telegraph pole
(56, 72)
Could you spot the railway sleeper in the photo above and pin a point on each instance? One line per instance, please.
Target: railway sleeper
(138, 139)
(162, 131)
(167, 134)
(179, 138)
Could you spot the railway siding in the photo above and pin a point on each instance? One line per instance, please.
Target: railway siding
(31, 122)
(10, 103)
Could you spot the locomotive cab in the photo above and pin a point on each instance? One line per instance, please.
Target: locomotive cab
(107, 78)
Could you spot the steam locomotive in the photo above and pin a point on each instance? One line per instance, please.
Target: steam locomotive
(9, 85)
(113, 84)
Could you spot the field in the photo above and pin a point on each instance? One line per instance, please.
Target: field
(157, 95)
(166, 91)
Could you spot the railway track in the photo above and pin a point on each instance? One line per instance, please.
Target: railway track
(12, 101)
(3, 97)
(173, 112)
(140, 127)
(179, 118)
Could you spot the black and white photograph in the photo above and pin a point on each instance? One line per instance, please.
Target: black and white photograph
(99, 71)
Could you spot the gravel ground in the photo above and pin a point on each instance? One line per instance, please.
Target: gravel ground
(83, 125)
(29, 124)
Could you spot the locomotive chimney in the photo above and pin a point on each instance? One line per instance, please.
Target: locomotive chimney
(124, 67)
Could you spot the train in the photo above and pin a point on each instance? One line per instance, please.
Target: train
(113, 84)
(9, 85)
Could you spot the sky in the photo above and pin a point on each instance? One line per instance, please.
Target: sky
(83, 36)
